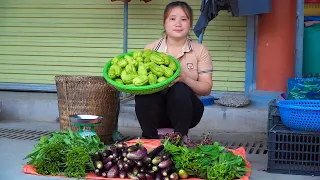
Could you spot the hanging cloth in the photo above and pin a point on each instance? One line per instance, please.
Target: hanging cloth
(210, 9)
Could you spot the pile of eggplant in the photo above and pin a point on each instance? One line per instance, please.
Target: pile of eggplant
(134, 162)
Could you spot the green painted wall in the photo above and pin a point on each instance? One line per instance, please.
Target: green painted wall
(42, 38)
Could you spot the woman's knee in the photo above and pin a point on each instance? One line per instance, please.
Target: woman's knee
(180, 90)
(145, 100)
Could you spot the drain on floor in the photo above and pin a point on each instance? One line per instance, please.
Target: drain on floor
(257, 147)
(34, 135)
(23, 134)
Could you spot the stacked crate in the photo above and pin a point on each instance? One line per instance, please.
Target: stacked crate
(273, 115)
(291, 151)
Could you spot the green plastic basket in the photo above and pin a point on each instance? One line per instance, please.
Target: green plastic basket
(141, 90)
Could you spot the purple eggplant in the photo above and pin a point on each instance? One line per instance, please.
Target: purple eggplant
(174, 176)
(114, 153)
(124, 153)
(120, 161)
(120, 145)
(131, 163)
(166, 155)
(156, 160)
(132, 176)
(98, 172)
(137, 155)
(105, 160)
(156, 151)
(126, 166)
(141, 176)
(97, 156)
(122, 174)
(165, 164)
(104, 174)
(164, 172)
(149, 165)
(147, 159)
(111, 157)
(167, 171)
(107, 166)
(106, 153)
(139, 163)
(113, 172)
(155, 168)
(132, 148)
(98, 164)
(158, 176)
(149, 177)
(151, 172)
(136, 170)
(121, 166)
(143, 169)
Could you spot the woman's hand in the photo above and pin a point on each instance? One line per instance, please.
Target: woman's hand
(181, 78)
(201, 87)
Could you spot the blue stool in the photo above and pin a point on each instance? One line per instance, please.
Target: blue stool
(207, 100)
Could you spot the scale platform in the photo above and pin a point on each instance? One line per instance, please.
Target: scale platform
(82, 121)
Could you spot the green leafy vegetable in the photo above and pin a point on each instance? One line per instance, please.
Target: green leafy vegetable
(65, 153)
(212, 162)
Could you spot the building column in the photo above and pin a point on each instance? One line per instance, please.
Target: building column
(276, 46)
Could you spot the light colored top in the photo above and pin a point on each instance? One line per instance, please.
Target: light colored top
(194, 58)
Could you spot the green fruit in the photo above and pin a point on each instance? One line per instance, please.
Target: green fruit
(140, 80)
(161, 79)
(152, 79)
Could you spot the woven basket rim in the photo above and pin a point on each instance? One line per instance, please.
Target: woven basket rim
(140, 88)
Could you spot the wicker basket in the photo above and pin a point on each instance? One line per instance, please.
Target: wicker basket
(88, 95)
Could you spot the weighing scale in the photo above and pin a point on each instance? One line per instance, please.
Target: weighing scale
(83, 121)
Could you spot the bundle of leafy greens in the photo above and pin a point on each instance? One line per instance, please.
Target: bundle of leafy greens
(212, 162)
(65, 153)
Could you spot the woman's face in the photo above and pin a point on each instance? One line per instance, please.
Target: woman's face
(177, 24)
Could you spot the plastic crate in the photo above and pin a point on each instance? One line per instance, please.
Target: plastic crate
(271, 107)
(275, 119)
(273, 115)
(293, 152)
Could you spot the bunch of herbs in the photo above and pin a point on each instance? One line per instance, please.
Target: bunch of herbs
(65, 153)
(212, 162)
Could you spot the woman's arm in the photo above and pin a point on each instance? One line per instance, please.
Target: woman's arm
(203, 85)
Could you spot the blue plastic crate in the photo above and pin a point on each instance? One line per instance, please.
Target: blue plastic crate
(300, 114)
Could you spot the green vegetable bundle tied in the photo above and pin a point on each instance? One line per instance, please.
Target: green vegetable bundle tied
(142, 68)
(65, 153)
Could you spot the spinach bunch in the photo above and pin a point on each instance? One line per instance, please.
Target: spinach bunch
(65, 153)
(212, 162)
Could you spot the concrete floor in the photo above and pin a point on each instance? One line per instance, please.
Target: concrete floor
(13, 151)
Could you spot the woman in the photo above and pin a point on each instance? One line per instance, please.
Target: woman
(179, 106)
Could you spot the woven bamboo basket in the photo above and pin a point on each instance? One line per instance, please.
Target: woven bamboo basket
(88, 95)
